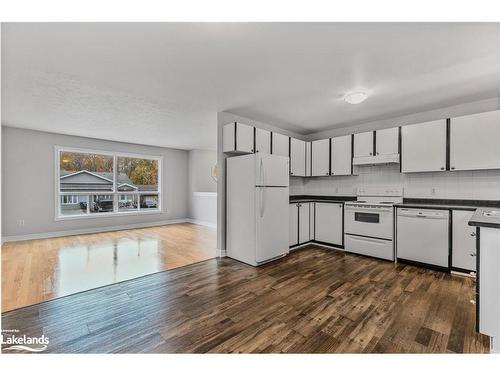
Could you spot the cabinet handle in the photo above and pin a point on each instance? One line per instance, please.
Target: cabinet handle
(442, 168)
(378, 153)
(473, 234)
(452, 167)
(370, 153)
(291, 172)
(327, 173)
(472, 254)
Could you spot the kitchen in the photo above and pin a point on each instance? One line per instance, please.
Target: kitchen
(385, 204)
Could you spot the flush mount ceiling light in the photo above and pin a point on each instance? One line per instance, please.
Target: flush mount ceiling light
(355, 97)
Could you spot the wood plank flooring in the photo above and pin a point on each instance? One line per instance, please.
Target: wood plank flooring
(39, 270)
(316, 300)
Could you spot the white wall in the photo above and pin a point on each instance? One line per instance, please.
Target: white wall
(28, 183)
(202, 187)
(484, 184)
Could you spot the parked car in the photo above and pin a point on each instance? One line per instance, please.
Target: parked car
(105, 205)
(149, 203)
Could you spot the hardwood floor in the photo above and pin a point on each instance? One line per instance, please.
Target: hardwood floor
(314, 301)
(39, 270)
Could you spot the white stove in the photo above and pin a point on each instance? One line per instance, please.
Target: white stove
(377, 197)
(369, 222)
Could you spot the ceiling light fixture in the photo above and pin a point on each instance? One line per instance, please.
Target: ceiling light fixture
(355, 97)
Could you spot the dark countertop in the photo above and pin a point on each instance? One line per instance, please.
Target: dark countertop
(446, 204)
(479, 220)
(321, 198)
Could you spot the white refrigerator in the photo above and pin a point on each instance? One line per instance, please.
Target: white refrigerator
(257, 198)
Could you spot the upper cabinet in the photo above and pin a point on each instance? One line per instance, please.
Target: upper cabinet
(341, 155)
(320, 157)
(363, 144)
(297, 157)
(424, 147)
(262, 141)
(308, 159)
(237, 138)
(387, 141)
(280, 145)
(475, 141)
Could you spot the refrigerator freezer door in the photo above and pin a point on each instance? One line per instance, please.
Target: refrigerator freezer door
(271, 170)
(272, 231)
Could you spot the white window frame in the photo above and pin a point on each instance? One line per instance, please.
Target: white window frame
(115, 193)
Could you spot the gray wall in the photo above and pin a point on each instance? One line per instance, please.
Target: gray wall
(201, 163)
(28, 183)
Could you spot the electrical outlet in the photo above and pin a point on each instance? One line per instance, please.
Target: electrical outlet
(21, 222)
(336, 190)
(433, 191)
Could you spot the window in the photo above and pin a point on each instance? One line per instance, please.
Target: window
(91, 183)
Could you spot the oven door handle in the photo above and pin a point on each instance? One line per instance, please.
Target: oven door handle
(367, 239)
(363, 209)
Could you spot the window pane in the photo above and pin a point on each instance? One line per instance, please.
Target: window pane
(136, 174)
(101, 203)
(127, 202)
(149, 202)
(85, 172)
(73, 205)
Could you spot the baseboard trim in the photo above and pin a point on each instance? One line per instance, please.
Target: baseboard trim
(75, 232)
(204, 223)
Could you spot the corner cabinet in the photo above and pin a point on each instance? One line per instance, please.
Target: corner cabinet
(328, 219)
(300, 224)
(475, 141)
(424, 147)
(280, 145)
(341, 156)
(297, 157)
(320, 157)
(238, 138)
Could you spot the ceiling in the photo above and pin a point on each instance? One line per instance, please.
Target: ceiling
(163, 83)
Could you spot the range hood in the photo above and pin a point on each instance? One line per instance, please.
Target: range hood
(376, 159)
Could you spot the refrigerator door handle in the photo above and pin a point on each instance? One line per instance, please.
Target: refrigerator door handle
(262, 197)
(261, 174)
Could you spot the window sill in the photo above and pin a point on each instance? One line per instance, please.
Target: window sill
(111, 214)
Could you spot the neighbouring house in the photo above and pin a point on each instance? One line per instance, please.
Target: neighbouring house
(88, 182)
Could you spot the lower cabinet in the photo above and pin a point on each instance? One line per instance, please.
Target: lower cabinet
(328, 219)
(304, 219)
(294, 224)
(300, 224)
(463, 256)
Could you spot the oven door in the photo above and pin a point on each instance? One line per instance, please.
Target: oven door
(369, 221)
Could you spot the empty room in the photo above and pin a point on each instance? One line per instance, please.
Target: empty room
(250, 187)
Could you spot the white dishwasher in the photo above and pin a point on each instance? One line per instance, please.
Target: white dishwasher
(423, 236)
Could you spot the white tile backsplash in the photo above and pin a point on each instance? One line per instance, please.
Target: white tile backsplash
(483, 184)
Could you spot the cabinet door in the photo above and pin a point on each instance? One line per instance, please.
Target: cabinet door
(342, 155)
(297, 157)
(281, 145)
(387, 141)
(237, 138)
(363, 144)
(262, 141)
(308, 159)
(475, 141)
(464, 241)
(320, 157)
(294, 224)
(328, 223)
(423, 147)
(304, 234)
